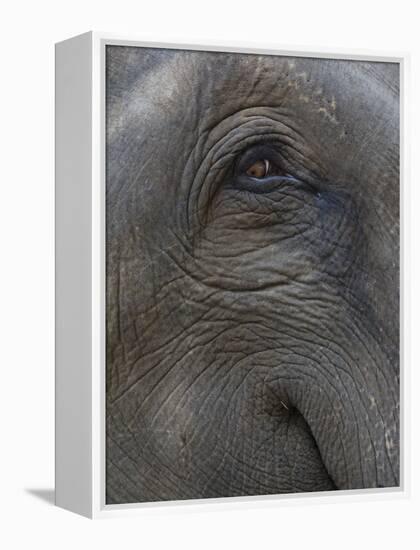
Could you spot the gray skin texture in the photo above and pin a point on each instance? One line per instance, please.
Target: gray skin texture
(252, 331)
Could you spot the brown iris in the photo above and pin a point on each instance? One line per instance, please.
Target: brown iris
(259, 169)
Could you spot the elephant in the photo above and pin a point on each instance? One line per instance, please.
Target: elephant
(252, 274)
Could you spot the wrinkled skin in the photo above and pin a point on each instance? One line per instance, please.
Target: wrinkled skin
(252, 334)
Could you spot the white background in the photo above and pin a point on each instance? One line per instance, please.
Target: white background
(28, 32)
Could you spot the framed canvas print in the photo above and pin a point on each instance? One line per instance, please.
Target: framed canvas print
(228, 273)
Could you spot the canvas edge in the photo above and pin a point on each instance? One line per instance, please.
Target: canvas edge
(73, 254)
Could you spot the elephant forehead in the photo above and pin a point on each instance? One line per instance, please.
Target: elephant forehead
(163, 103)
(212, 85)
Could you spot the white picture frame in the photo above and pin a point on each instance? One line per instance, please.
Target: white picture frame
(80, 276)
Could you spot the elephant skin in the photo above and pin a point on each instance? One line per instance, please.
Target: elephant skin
(252, 322)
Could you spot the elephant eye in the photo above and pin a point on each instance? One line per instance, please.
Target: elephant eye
(259, 162)
(263, 168)
(259, 169)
